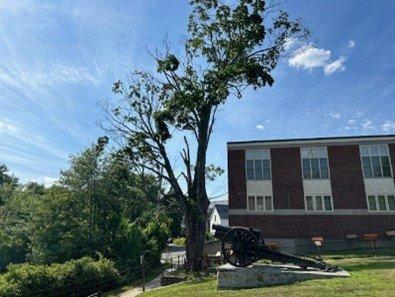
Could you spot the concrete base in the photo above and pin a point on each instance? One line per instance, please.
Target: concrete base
(230, 277)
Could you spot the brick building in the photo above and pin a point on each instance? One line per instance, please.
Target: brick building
(298, 188)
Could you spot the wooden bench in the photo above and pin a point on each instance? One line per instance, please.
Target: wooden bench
(273, 246)
(390, 233)
(318, 241)
(372, 238)
(352, 238)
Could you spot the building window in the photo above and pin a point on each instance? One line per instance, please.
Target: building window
(375, 161)
(315, 163)
(258, 165)
(260, 203)
(319, 203)
(381, 202)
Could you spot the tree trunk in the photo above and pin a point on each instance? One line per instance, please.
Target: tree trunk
(195, 223)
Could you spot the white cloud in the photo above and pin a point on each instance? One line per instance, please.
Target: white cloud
(335, 115)
(49, 181)
(388, 126)
(260, 127)
(310, 57)
(337, 65)
(351, 122)
(289, 43)
(7, 127)
(367, 125)
(351, 43)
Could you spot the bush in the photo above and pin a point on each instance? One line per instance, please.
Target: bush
(179, 241)
(76, 277)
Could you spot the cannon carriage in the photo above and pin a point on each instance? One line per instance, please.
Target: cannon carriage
(243, 246)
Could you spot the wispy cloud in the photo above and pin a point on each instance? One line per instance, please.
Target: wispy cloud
(351, 43)
(260, 127)
(7, 127)
(367, 125)
(335, 114)
(388, 126)
(335, 66)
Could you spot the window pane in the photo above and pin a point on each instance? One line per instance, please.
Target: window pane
(372, 203)
(365, 150)
(251, 203)
(266, 169)
(318, 203)
(391, 202)
(383, 150)
(381, 201)
(385, 161)
(259, 203)
(386, 171)
(306, 153)
(376, 167)
(386, 167)
(324, 167)
(315, 168)
(374, 150)
(258, 169)
(250, 169)
(309, 203)
(268, 203)
(328, 203)
(367, 167)
(306, 168)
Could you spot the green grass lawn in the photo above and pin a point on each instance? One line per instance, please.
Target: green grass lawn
(370, 276)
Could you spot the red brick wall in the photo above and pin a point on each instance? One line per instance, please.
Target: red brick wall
(348, 187)
(392, 154)
(236, 179)
(286, 168)
(329, 226)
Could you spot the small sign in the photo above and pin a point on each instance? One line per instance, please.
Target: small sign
(142, 259)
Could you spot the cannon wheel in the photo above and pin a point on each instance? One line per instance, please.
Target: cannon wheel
(239, 247)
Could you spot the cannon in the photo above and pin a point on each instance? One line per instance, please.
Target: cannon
(243, 246)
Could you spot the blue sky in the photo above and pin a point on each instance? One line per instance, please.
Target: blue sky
(58, 59)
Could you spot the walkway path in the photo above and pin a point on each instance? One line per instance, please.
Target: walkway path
(173, 255)
(153, 284)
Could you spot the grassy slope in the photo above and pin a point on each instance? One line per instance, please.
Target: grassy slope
(370, 276)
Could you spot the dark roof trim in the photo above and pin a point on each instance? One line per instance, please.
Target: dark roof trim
(311, 139)
(318, 140)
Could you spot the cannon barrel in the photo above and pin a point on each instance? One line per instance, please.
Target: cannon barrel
(220, 231)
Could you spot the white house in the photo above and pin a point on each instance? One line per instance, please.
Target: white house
(218, 216)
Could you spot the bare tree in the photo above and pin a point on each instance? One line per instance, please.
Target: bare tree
(228, 48)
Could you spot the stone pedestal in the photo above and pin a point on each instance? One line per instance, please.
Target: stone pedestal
(254, 276)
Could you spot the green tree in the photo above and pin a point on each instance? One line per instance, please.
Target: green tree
(228, 48)
(15, 215)
(5, 178)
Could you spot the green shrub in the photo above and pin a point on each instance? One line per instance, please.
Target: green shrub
(179, 241)
(208, 237)
(82, 276)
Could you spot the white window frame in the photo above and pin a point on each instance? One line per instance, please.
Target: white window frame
(319, 167)
(253, 166)
(378, 155)
(314, 195)
(256, 203)
(376, 196)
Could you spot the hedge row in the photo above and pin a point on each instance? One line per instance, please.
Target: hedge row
(74, 278)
